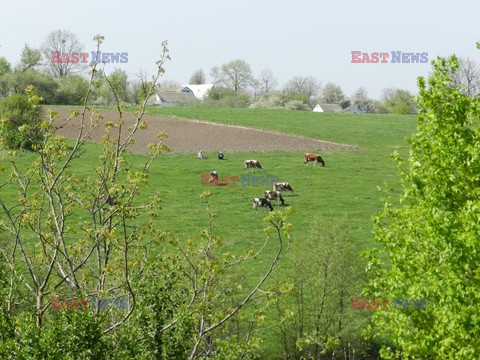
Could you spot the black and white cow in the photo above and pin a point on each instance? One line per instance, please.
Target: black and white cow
(262, 202)
(252, 164)
(274, 195)
(282, 186)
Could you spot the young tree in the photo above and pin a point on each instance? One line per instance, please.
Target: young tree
(236, 75)
(398, 101)
(333, 94)
(198, 78)
(29, 59)
(62, 41)
(115, 87)
(5, 66)
(315, 315)
(430, 241)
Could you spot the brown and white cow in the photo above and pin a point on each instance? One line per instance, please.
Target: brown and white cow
(313, 157)
(252, 164)
(213, 177)
(262, 202)
(274, 195)
(282, 186)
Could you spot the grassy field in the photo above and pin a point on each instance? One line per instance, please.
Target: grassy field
(346, 188)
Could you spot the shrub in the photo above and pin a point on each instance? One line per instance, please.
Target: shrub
(20, 116)
(71, 90)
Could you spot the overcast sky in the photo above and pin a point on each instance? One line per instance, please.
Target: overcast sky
(292, 38)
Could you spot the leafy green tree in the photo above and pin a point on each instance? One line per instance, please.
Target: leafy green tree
(235, 75)
(430, 242)
(398, 101)
(333, 94)
(115, 87)
(29, 58)
(71, 90)
(20, 118)
(5, 66)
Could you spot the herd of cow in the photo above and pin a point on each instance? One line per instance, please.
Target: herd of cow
(278, 187)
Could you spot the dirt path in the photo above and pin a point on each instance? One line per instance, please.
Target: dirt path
(190, 136)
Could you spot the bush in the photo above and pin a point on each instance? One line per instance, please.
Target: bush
(222, 97)
(71, 90)
(20, 116)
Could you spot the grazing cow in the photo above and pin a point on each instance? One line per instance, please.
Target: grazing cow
(262, 202)
(252, 164)
(274, 195)
(200, 155)
(313, 157)
(213, 177)
(283, 186)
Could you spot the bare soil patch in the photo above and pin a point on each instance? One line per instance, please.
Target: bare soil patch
(190, 136)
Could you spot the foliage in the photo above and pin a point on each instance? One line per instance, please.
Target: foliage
(221, 97)
(71, 90)
(20, 118)
(316, 320)
(398, 101)
(115, 88)
(29, 58)
(431, 241)
(46, 86)
(5, 66)
(333, 94)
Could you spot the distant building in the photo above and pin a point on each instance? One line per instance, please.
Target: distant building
(200, 91)
(181, 95)
(357, 108)
(327, 108)
(174, 96)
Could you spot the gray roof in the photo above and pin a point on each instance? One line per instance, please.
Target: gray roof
(330, 107)
(357, 109)
(176, 96)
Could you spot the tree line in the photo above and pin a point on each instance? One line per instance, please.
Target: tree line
(64, 83)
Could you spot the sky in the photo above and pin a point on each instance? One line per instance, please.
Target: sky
(291, 38)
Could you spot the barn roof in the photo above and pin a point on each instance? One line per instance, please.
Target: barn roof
(175, 96)
(327, 108)
(200, 91)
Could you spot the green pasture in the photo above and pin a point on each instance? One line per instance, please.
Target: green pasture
(347, 187)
